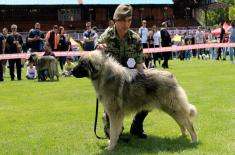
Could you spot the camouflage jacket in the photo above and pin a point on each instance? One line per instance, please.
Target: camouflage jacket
(123, 50)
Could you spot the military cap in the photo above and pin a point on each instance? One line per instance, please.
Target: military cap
(123, 11)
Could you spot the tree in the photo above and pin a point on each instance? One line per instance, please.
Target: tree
(232, 13)
(216, 16)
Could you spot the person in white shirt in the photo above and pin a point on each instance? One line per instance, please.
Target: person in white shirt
(143, 32)
(157, 44)
(31, 72)
(200, 38)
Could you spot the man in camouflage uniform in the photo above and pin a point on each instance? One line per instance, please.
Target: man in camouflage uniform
(124, 45)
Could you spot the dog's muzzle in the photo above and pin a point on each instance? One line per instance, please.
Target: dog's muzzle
(80, 72)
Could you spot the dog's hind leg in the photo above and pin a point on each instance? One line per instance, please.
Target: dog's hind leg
(190, 128)
(116, 121)
(182, 128)
(51, 72)
(183, 120)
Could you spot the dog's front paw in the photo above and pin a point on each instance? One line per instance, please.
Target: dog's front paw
(109, 147)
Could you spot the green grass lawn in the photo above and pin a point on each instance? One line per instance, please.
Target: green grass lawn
(57, 117)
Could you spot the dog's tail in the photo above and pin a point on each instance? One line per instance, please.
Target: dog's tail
(192, 111)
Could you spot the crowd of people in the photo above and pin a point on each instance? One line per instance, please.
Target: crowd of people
(158, 37)
(37, 41)
(58, 40)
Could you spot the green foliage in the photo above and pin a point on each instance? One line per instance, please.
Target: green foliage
(57, 118)
(217, 16)
(232, 13)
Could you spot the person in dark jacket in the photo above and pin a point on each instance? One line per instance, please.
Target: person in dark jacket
(48, 51)
(222, 36)
(166, 42)
(2, 50)
(52, 38)
(36, 38)
(14, 42)
(63, 45)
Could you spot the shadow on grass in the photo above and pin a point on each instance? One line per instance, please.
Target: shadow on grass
(151, 145)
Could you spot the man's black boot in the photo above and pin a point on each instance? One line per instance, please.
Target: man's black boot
(137, 125)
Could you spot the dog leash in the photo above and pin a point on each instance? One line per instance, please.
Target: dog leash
(126, 140)
(96, 117)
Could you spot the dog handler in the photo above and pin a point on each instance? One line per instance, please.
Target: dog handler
(124, 45)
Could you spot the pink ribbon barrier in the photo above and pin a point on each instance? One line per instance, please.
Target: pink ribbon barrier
(146, 50)
(187, 47)
(26, 56)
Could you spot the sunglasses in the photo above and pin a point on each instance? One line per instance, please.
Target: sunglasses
(13, 28)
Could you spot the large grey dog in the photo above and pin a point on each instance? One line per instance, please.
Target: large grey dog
(46, 66)
(122, 91)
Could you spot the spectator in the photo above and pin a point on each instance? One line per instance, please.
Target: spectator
(48, 51)
(188, 53)
(94, 28)
(157, 44)
(4, 62)
(150, 45)
(52, 38)
(222, 36)
(14, 44)
(143, 32)
(5, 32)
(31, 73)
(64, 45)
(211, 39)
(2, 51)
(89, 37)
(111, 24)
(36, 39)
(232, 40)
(200, 39)
(166, 42)
(68, 67)
(188, 40)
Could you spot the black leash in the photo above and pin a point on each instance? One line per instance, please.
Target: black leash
(95, 124)
(96, 117)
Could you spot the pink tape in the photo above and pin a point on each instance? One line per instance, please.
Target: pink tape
(146, 50)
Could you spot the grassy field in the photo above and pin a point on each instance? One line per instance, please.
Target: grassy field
(57, 118)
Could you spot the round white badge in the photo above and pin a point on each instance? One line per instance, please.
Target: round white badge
(131, 63)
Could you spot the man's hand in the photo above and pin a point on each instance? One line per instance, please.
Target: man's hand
(101, 46)
(140, 67)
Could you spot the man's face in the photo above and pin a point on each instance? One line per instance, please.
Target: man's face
(14, 29)
(55, 30)
(4, 31)
(37, 26)
(88, 26)
(124, 24)
(144, 23)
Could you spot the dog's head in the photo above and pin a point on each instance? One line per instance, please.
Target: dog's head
(33, 58)
(89, 65)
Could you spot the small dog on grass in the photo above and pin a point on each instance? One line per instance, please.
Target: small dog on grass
(46, 67)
